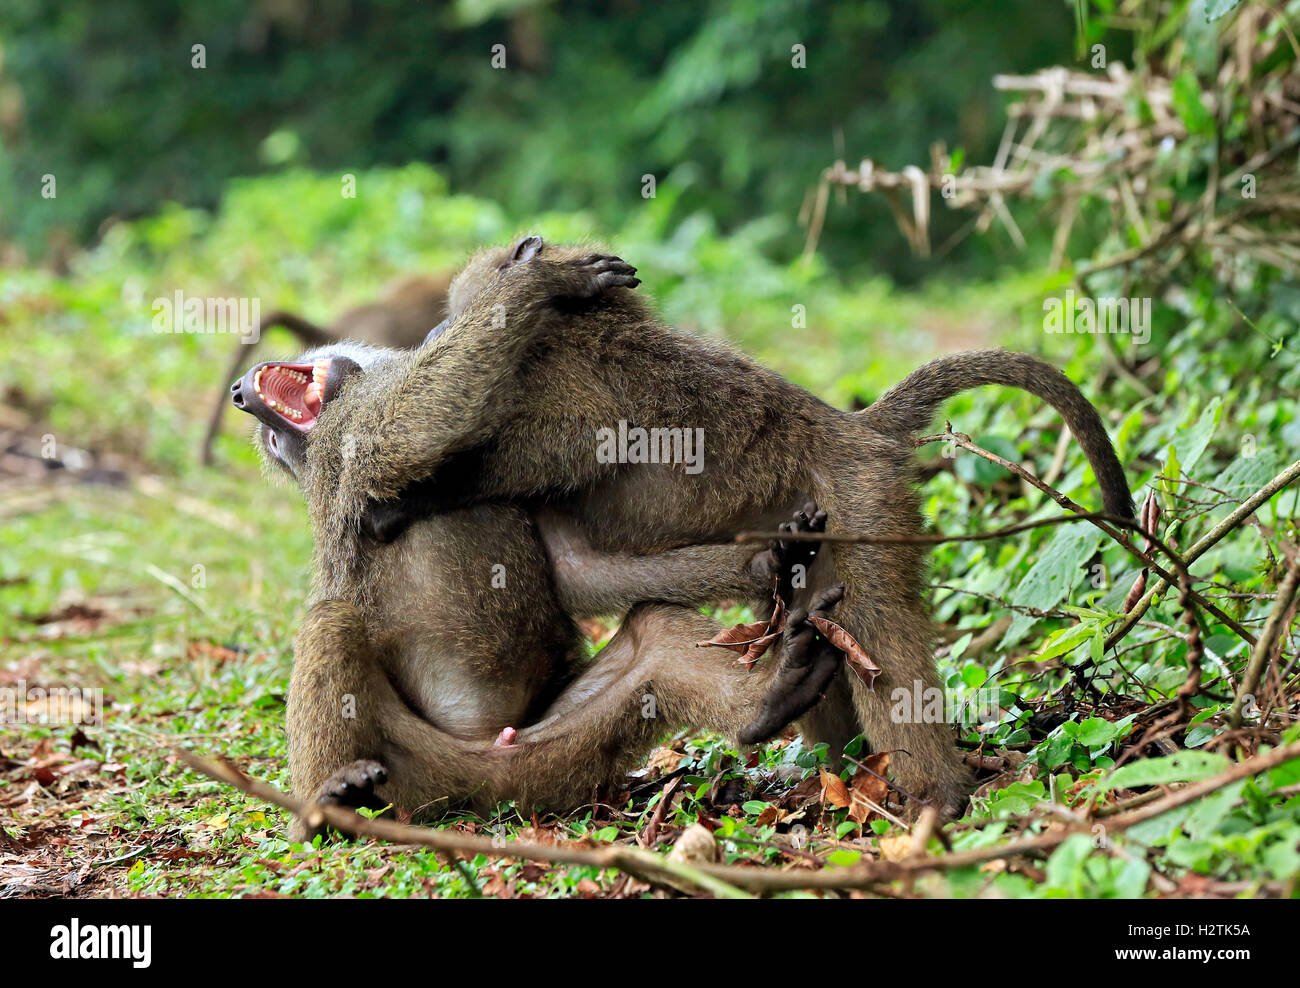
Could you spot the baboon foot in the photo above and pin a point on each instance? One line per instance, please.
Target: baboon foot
(808, 663)
(947, 787)
(352, 786)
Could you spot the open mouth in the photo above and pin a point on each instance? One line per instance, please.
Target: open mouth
(294, 392)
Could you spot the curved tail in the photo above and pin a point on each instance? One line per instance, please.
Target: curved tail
(910, 406)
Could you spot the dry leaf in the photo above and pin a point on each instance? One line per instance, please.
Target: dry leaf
(865, 788)
(854, 654)
(834, 792)
(771, 814)
(895, 847)
(665, 760)
(751, 640)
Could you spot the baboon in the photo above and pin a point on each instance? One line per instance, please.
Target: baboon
(401, 318)
(454, 642)
(511, 402)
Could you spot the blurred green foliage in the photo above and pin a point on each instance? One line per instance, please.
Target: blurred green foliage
(702, 96)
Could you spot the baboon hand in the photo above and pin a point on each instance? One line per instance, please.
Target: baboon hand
(808, 664)
(586, 277)
(790, 559)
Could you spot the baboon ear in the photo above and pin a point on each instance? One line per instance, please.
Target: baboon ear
(525, 250)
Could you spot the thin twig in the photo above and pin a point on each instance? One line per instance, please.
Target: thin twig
(1278, 619)
(728, 879)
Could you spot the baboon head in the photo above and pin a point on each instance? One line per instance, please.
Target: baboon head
(289, 397)
(481, 270)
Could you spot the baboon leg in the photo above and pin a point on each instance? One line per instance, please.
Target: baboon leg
(808, 665)
(354, 785)
(352, 740)
(648, 681)
(331, 708)
(888, 618)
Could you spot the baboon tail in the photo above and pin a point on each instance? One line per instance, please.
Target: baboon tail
(910, 406)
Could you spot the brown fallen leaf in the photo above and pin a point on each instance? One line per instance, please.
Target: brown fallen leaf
(752, 640)
(854, 654)
(665, 760)
(770, 814)
(213, 651)
(895, 847)
(865, 788)
(834, 791)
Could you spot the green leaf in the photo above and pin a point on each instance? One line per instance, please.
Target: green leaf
(753, 806)
(1095, 732)
(843, 858)
(1192, 442)
(1131, 881)
(1286, 774)
(1065, 866)
(1052, 576)
(1058, 750)
(1185, 766)
(1208, 812)
(1170, 474)
(1187, 104)
(957, 648)
(1061, 640)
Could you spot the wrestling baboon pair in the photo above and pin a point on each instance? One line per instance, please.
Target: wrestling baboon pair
(544, 347)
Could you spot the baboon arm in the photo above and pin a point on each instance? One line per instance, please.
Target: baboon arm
(461, 388)
(590, 582)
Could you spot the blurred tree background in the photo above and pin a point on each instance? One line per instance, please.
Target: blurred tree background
(593, 96)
